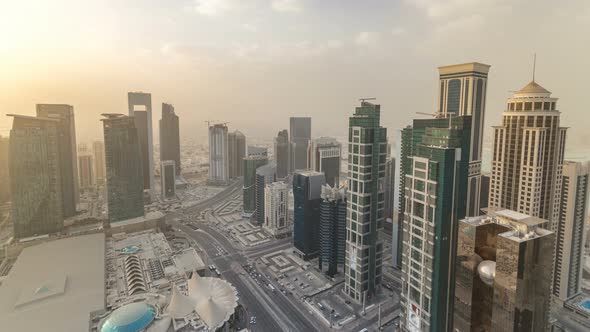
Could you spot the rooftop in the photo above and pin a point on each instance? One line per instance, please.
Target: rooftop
(52, 287)
(464, 68)
(533, 87)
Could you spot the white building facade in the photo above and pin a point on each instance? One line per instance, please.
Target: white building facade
(276, 207)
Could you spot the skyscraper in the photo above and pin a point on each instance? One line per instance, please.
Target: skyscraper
(276, 208)
(324, 156)
(67, 146)
(140, 108)
(281, 153)
(168, 178)
(527, 159)
(257, 151)
(218, 154)
(571, 230)
(237, 152)
(265, 174)
(4, 175)
(436, 198)
(463, 92)
(403, 168)
(251, 164)
(332, 240)
(389, 188)
(300, 130)
(367, 144)
(503, 274)
(85, 170)
(99, 163)
(170, 136)
(125, 181)
(307, 187)
(35, 175)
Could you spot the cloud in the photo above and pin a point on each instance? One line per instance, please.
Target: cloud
(213, 7)
(445, 9)
(292, 6)
(250, 27)
(365, 38)
(286, 51)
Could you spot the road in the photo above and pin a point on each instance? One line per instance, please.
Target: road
(273, 311)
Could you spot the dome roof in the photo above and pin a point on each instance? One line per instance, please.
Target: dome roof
(533, 87)
(132, 317)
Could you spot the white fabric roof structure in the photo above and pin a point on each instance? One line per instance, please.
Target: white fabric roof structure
(213, 299)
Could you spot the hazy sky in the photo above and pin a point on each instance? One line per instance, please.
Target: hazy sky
(254, 63)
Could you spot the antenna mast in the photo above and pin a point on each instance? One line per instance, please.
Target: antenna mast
(534, 65)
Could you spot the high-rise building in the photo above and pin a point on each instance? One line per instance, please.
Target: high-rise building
(35, 175)
(124, 166)
(332, 240)
(324, 156)
(237, 152)
(140, 108)
(168, 178)
(218, 154)
(276, 208)
(367, 144)
(404, 165)
(307, 189)
(436, 199)
(527, 159)
(67, 146)
(389, 188)
(503, 274)
(257, 151)
(281, 153)
(462, 91)
(300, 131)
(85, 170)
(484, 197)
(265, 174)
(4, 175)
(170, 136)
(99, 163)
(251, 164)
(571, 230)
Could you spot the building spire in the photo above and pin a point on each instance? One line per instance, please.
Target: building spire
(534, 65)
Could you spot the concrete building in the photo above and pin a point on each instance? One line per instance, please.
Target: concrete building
(367, 142)
(276, 210)
(527, 158)
(167, 178)
(571, 231)
(503, 273)
(324, 156)
(332, 241)
(36, 175)
(307, 188)
(100, 170)
(170, 136)
(67, 151)
(251, 164)
(125, 180)
(463, 91)
(281, 153)
(436, 199)
(237, 152)
(265, 174)
(86, 172)
(218, 154)
(55, 286)
(300, 130)
(4, 175)
(140, 108)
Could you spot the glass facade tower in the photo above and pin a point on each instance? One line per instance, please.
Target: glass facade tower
(307, 186)
(124, 167)
(367, 153)
(332, 228)
(170, 136)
